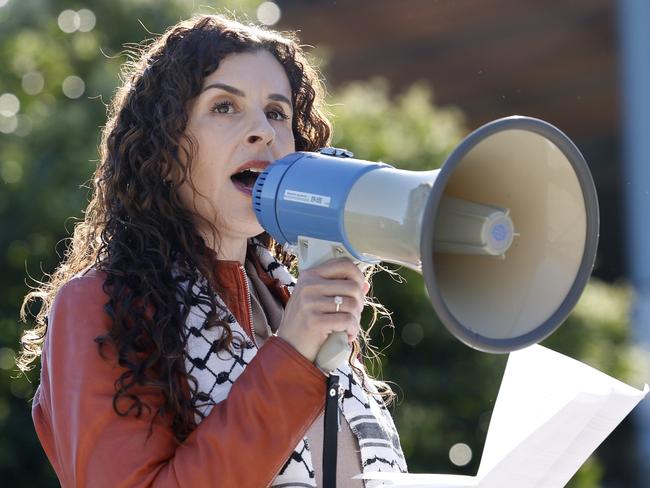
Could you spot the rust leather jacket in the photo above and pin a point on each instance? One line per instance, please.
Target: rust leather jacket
(243, 442)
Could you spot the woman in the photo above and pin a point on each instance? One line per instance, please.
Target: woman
(174, 351)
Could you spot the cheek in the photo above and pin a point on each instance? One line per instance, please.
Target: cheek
(210, 166)
(208, 180)
(285, 142)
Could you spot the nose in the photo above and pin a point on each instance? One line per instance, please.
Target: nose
(261, 131)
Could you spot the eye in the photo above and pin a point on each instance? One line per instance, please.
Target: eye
(277, 114)
(224, 107)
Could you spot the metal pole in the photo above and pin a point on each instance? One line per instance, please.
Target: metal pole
(634, 36)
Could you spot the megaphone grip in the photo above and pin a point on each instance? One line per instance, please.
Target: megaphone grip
(334, 352)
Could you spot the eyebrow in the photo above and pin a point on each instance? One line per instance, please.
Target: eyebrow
(236, 91)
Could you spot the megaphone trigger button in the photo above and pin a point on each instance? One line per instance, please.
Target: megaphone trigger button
(336, 152)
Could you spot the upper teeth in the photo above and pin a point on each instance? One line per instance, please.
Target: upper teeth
(254, 170)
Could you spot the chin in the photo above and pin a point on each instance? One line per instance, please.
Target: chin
(255, 233)
(254, 229)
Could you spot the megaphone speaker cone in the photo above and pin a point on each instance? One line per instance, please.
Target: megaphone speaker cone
(530, 168)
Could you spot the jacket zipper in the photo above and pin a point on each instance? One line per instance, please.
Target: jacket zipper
(249, 305)
(252, 335)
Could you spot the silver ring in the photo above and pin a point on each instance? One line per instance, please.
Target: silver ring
(338, 301)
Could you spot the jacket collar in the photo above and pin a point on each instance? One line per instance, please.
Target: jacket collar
(229, 275)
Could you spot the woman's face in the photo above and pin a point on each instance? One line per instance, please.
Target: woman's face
(240, 120)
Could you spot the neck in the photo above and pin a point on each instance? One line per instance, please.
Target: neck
(230, 249)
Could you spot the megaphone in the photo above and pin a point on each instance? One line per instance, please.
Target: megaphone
(504, 234)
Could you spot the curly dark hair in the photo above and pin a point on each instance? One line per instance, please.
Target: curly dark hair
(137, 231)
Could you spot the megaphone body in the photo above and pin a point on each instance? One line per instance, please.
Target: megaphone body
(504, 234)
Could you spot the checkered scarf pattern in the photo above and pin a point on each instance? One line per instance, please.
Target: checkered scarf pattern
(216, 371)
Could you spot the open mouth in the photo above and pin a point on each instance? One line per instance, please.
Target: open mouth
(245, 180)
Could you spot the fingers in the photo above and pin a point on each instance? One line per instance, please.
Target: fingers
(311, 314)
(331, 288)
(320, 297)
(342, 322)
(346, 319)
(350, 304)
(340, 268)
(335, 277)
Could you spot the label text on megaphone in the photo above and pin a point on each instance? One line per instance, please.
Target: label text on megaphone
(307, 198)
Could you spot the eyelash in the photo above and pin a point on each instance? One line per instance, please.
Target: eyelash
(281, 114)
(215, 108)
(227, 104)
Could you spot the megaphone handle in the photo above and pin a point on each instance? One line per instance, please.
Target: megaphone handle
(312, 252)
(334, 352)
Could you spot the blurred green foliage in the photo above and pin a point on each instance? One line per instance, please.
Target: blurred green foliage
(48, 149)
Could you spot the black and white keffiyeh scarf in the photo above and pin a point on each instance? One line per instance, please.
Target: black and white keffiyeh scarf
(215, 373)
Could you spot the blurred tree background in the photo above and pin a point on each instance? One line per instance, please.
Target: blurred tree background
(60, 64)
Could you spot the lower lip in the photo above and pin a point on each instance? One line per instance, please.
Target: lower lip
(243, 189)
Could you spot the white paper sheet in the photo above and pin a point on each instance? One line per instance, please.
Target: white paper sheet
(551, 413)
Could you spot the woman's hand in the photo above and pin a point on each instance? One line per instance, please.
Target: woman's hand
(310, 315)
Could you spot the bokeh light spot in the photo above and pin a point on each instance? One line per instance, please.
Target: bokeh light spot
(33, 83)
(40, 243)
(8, 124)
(17, 253)
(7, 358)
(268, 13)
(460, 454)
(11, 172)
(9, 104)
(412, 334)
(24, 126)
(86, 45)
(68, 21)
(73, 87)
(87, 20)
